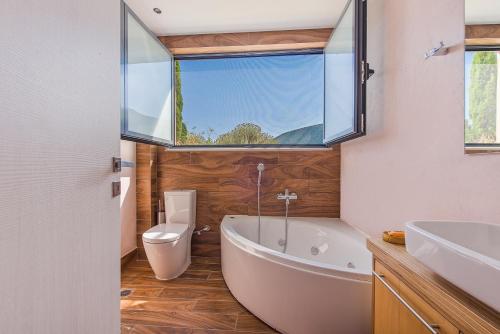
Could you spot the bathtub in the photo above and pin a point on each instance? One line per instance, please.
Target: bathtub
(321, 284)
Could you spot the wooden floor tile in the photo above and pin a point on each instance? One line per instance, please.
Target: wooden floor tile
(205, 260)
(220, 306)
(179, 319)
(251, 323)
(126, 329)
(198, 302)
(215, 276)
(147, 329)
(143, 292)
(205, 266)
(200, 294)
(195, 274)
(144, 329)
(138, 263)
(132, 271)
(179, 282)
(179, 305)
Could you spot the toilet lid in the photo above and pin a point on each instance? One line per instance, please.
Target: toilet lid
(162, 233)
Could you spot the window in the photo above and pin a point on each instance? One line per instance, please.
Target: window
(482, 96)
(346, 72)
(296, 98)
(250, 100)
(147, 84)
(301, 99)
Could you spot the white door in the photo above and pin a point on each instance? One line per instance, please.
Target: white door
(59, 129)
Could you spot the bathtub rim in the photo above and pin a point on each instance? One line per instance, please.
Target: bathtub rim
(291, 261)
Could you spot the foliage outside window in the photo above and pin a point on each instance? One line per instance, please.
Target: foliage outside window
(482, 97)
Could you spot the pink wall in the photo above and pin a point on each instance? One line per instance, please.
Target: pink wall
(412, 165)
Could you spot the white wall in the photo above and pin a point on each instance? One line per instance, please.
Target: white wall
(412, 165)
(128, 205)
(59, 129)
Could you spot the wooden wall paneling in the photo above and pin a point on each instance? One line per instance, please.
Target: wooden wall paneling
(485, 34)
(226, 183)
(247, 41)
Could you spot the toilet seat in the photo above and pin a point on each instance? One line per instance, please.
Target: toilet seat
(164, 233)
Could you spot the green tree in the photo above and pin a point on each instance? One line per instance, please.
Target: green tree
(197, 138)
(481, 127)
(180, 128)
(246, 133)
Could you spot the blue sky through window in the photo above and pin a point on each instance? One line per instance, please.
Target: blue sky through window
(278, 93)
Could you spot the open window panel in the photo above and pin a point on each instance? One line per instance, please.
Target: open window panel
(346, 73)
(147, 87)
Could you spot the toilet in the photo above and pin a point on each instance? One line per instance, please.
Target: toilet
(168, 246)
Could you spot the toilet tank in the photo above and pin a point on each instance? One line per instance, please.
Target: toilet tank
(180, 207)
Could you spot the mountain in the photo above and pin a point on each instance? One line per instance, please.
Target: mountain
(310, 135)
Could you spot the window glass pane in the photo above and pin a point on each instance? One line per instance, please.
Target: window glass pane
(271, 99)
(482, 97)
(340, 111)
(148, 85)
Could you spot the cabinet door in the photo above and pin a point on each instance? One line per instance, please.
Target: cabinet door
(392, 308)
(410, 324)
(386, 306)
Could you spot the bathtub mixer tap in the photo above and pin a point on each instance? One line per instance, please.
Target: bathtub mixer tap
(287, 197)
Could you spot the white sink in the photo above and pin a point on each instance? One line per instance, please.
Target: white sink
(465, 253)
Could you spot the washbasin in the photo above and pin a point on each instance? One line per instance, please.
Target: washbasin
(466, 254)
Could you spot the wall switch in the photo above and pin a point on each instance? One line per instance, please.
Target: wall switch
(117, 188)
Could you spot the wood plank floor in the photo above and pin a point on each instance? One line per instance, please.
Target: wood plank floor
(198, 302)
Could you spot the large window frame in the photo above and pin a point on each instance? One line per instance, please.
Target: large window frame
(361, 75)
(207, 56)
(472, 48)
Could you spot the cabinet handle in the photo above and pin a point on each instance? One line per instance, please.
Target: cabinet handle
(431, 327)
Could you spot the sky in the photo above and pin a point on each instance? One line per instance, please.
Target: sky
(278, 93)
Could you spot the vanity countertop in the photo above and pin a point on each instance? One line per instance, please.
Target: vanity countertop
(461, 309)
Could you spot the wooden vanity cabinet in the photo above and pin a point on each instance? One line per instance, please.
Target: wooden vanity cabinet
(409, 298)
(397, 309)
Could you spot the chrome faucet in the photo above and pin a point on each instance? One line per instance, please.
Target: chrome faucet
(287, 196)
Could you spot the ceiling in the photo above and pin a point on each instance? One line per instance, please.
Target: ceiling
(482, 11)
(184, 17)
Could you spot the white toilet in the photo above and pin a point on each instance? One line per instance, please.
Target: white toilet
(168, 246)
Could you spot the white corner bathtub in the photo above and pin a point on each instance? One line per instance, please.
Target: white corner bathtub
(321, 284)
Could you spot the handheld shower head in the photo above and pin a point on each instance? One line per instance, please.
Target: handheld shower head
(260, 168)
